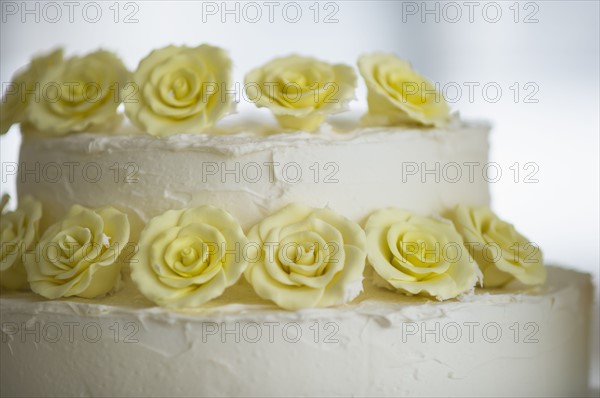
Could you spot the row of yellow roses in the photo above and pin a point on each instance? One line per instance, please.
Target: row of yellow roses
(298, 257)
(171, 94)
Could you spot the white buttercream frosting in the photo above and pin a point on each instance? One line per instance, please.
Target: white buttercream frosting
(525, 341)
(383, 344)
(354, 171)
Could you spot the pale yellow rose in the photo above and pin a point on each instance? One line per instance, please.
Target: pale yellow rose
(181, 90)
(78, 256)
(399, 95)
(502, 253)
(19, 232)
(188, 257)
(23, 88)
(419, 255)
(79, 94)
(302, 257)
(301, 91)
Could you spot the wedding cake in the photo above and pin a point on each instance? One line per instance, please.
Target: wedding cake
(309, 253)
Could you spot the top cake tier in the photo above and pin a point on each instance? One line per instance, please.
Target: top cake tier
(198, 183)
(406, 151)
(354, 171)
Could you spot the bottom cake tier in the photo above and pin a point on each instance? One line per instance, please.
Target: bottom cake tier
(511, 342)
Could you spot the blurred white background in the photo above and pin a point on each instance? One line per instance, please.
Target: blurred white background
(542, 55)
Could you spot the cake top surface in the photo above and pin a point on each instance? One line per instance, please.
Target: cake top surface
(181, 89)
(240, 302)
(243, 134)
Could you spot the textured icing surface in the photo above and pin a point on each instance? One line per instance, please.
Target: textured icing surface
(252, 176)
(381, 344)
(512, 342)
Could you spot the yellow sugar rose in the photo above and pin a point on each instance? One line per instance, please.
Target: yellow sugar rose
(181, 90)
(399, 95)
(300, 91)
(19, 231)
(419, 255)
(79, 255)
(23, 89)
(79, 94)
(303, 257)
(502, 253)
(188, 257)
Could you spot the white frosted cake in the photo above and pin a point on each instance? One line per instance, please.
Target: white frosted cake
(239, 345)
(314, 256)
(252, 175)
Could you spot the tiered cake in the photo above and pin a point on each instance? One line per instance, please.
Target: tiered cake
(318, 256)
